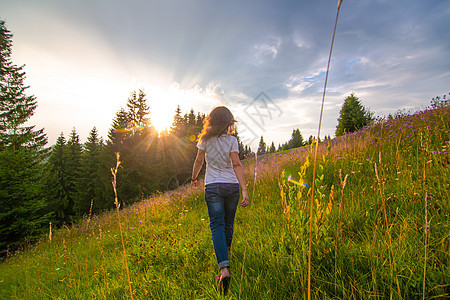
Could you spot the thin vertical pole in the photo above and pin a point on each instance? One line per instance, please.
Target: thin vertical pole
(316, 151)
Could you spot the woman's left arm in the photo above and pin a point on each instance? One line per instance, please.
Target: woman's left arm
(239, 171)
(198, 163)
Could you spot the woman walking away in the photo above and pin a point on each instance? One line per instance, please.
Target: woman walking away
(224, 176)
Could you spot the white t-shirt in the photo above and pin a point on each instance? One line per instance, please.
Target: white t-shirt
(219, 167)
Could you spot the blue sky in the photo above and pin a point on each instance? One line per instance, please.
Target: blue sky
(84, 58)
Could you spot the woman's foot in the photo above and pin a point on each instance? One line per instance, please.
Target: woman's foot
(224, 281)
(225, 272)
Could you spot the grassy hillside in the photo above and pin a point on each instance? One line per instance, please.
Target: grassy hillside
(380, 229)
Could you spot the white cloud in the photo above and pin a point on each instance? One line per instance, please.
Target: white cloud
(300, 41)
(266, 51)
(298, 83)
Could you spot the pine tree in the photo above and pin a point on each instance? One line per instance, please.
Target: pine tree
(138, 110)
(296, 139)
(353, 116)
(73, 157)
(191, 118)
(131, 124)
(191, 124)
(21, 153)
(261, 147)
(120, 130)
(178, 127)
(94, 185)
(134, 138)
(247, 151)
(199, 121)
(241, 146)
(57, 190)
(272, 148)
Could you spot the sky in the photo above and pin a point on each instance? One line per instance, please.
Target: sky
(266, 60)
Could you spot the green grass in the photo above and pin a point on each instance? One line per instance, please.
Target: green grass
(169, 249)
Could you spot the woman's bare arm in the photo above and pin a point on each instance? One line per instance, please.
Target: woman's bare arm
(239, 171)
(198, 163)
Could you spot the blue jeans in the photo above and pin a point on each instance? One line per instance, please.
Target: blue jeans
(222, 200)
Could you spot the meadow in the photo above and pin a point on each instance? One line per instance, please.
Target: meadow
(380, 229)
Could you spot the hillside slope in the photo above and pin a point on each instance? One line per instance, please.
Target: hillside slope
(380, 229)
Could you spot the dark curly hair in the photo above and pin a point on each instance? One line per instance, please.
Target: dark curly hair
(219, 121)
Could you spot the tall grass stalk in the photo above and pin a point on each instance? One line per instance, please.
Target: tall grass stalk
(343, 182)
(426, 244)
(387, 226)
(90, 212)
(51, 256)
(50, 231)
(116, 202)
(341, 206)
(103, 260)
(311, 204)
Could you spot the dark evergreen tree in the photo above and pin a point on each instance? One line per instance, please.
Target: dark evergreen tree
(261, 146)
(353, 116)
(296, 139)
(21, 153)
(181, 146)
(241, 146)
(199, 121)
(272, 148)
(73, 158)
(178, 127)
(135, 139)
(191, 125)
(120, 128)
(57, 186)
(94, 185)
(138, 111)
(191, 121)
(247, 151)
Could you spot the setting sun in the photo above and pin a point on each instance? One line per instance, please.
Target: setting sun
(161, 113)
(161, 122)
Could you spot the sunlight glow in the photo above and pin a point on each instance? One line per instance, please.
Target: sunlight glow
(164, 101)
(162, 109)
(162, 121)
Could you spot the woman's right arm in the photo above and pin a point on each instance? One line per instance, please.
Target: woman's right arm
(197, 166)
(239, 171)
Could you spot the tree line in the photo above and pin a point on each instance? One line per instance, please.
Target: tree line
(352, 117)
(295, 141)
(63, 183)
